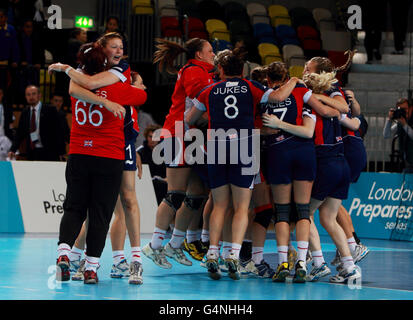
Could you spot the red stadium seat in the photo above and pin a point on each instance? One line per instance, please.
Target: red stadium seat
(170, 27)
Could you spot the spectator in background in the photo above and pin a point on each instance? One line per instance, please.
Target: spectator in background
(158, 171)
(57, 102)
(400, 124)
(18, 10)
(112, 25)
(6, 118)
(38, 135)
(144, 120)
(9, 50)
(79, 37)
(374, 23)
(399, 16)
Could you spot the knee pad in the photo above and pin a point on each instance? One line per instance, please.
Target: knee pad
(264, 217)
(303, 211)
(282, 212)
(195, 202)
(174, 199)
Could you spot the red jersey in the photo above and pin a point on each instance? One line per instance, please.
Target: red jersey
(192, 78)
(95, 130)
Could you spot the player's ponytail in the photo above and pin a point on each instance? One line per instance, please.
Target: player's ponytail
(91, 58)
(320, 82)
(168, 51)
(347, 65)
(324, 64)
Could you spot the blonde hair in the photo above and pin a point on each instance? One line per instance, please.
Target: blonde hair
(320, 82)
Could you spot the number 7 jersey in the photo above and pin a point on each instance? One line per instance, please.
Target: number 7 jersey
(95, 130)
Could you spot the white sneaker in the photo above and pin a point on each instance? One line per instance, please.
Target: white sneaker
(352, 275)
(157, 256)
(318, 272)
(135, 271)
(214, 270)
(222, 266)
(233, 265)
(360, 253)
(78, 276)
(120, 270)
(177, 254)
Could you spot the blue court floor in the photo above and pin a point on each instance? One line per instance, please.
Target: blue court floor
(27, 266)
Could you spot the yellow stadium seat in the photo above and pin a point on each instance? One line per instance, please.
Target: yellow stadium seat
(277, 10)
(269, 53)
(296, 71)
(276, 21)
(143, 10)
(217, 29)
(144, 3)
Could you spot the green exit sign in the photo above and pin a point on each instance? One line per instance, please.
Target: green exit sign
(84, 22)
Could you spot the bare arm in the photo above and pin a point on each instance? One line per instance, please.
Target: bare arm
(355, 109)
(283, 92)
(304, 131)
(81, 93)
(322, 109)
(337, 102)
(351, 123)
(89, 82)
(193, 115)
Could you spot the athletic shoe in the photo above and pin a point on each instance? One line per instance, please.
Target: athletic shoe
(300, 272)
(63, 268)
(135, 271)
(177, 254)
(263, 270)
(309, 257)
(74, 265)
(157, 256)
(246, 267)
(337, 259)
(205, 245)
(360, 253)
(120, 270)
(91, 277)
(345, 275)
(78, 276)
(213, 267)
(203, 262)
(233, 265)
(222, 266)
(282, 272)
(318, 272)
(292, 257)
(195, 249)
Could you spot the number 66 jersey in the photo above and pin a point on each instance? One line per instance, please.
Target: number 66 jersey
(95, 130)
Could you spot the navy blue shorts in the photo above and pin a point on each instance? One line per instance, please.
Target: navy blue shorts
(355, 154)
(130, 156)
(222, 174)
(332, 179)
(290, 160)
(202, 169)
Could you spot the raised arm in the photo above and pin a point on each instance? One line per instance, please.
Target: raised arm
(81, 93)
(304, 131)
(322, 109)
(283, 92)
(337, 102)
(89, 82)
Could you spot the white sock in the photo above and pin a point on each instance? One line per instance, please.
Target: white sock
(352, 244)
(282, 254)
(75, 254)
(257, 254)
(136, 254)
(157, 237)
(63, 250)
(236, 248)
(118, 256)
(198, 234)
(177, 239)
(302, 250)
(205, 235)
(348, 263)
(318, 258)
(226, 249)
(213, 250)
(92, 263)
(191, 236)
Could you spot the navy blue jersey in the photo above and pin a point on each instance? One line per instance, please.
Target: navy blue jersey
(290, 110)
(231, 104)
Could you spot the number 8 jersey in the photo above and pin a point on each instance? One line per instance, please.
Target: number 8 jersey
(95, 130)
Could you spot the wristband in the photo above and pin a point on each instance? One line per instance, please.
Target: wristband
(67, 70)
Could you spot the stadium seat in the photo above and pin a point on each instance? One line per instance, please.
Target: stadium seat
(309, 38)
(268, 40)
(260, 19)
(142, 7)
(169, 12)
(170, 27)
(217, 29)
(255, 9)
(248, 67)
(296, 71)
(210, 9)
(166, 4)
(324, 19)
(336, 40)
(198, 34)
(234, 11)
(286, 35)
(269, 53)
(279, 15)
(220, 45)
(239, 27)
(262, 30)
(196, 28)
(302, 17)
(293, 55)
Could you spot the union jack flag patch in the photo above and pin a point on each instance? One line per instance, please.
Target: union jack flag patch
(88, 143)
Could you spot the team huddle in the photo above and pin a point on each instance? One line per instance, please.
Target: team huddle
(310, 150)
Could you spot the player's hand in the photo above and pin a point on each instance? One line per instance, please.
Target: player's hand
(58, 67)
(271, 121)
(139, 165)
(350, 95)
(115, 108)
(11, 155)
